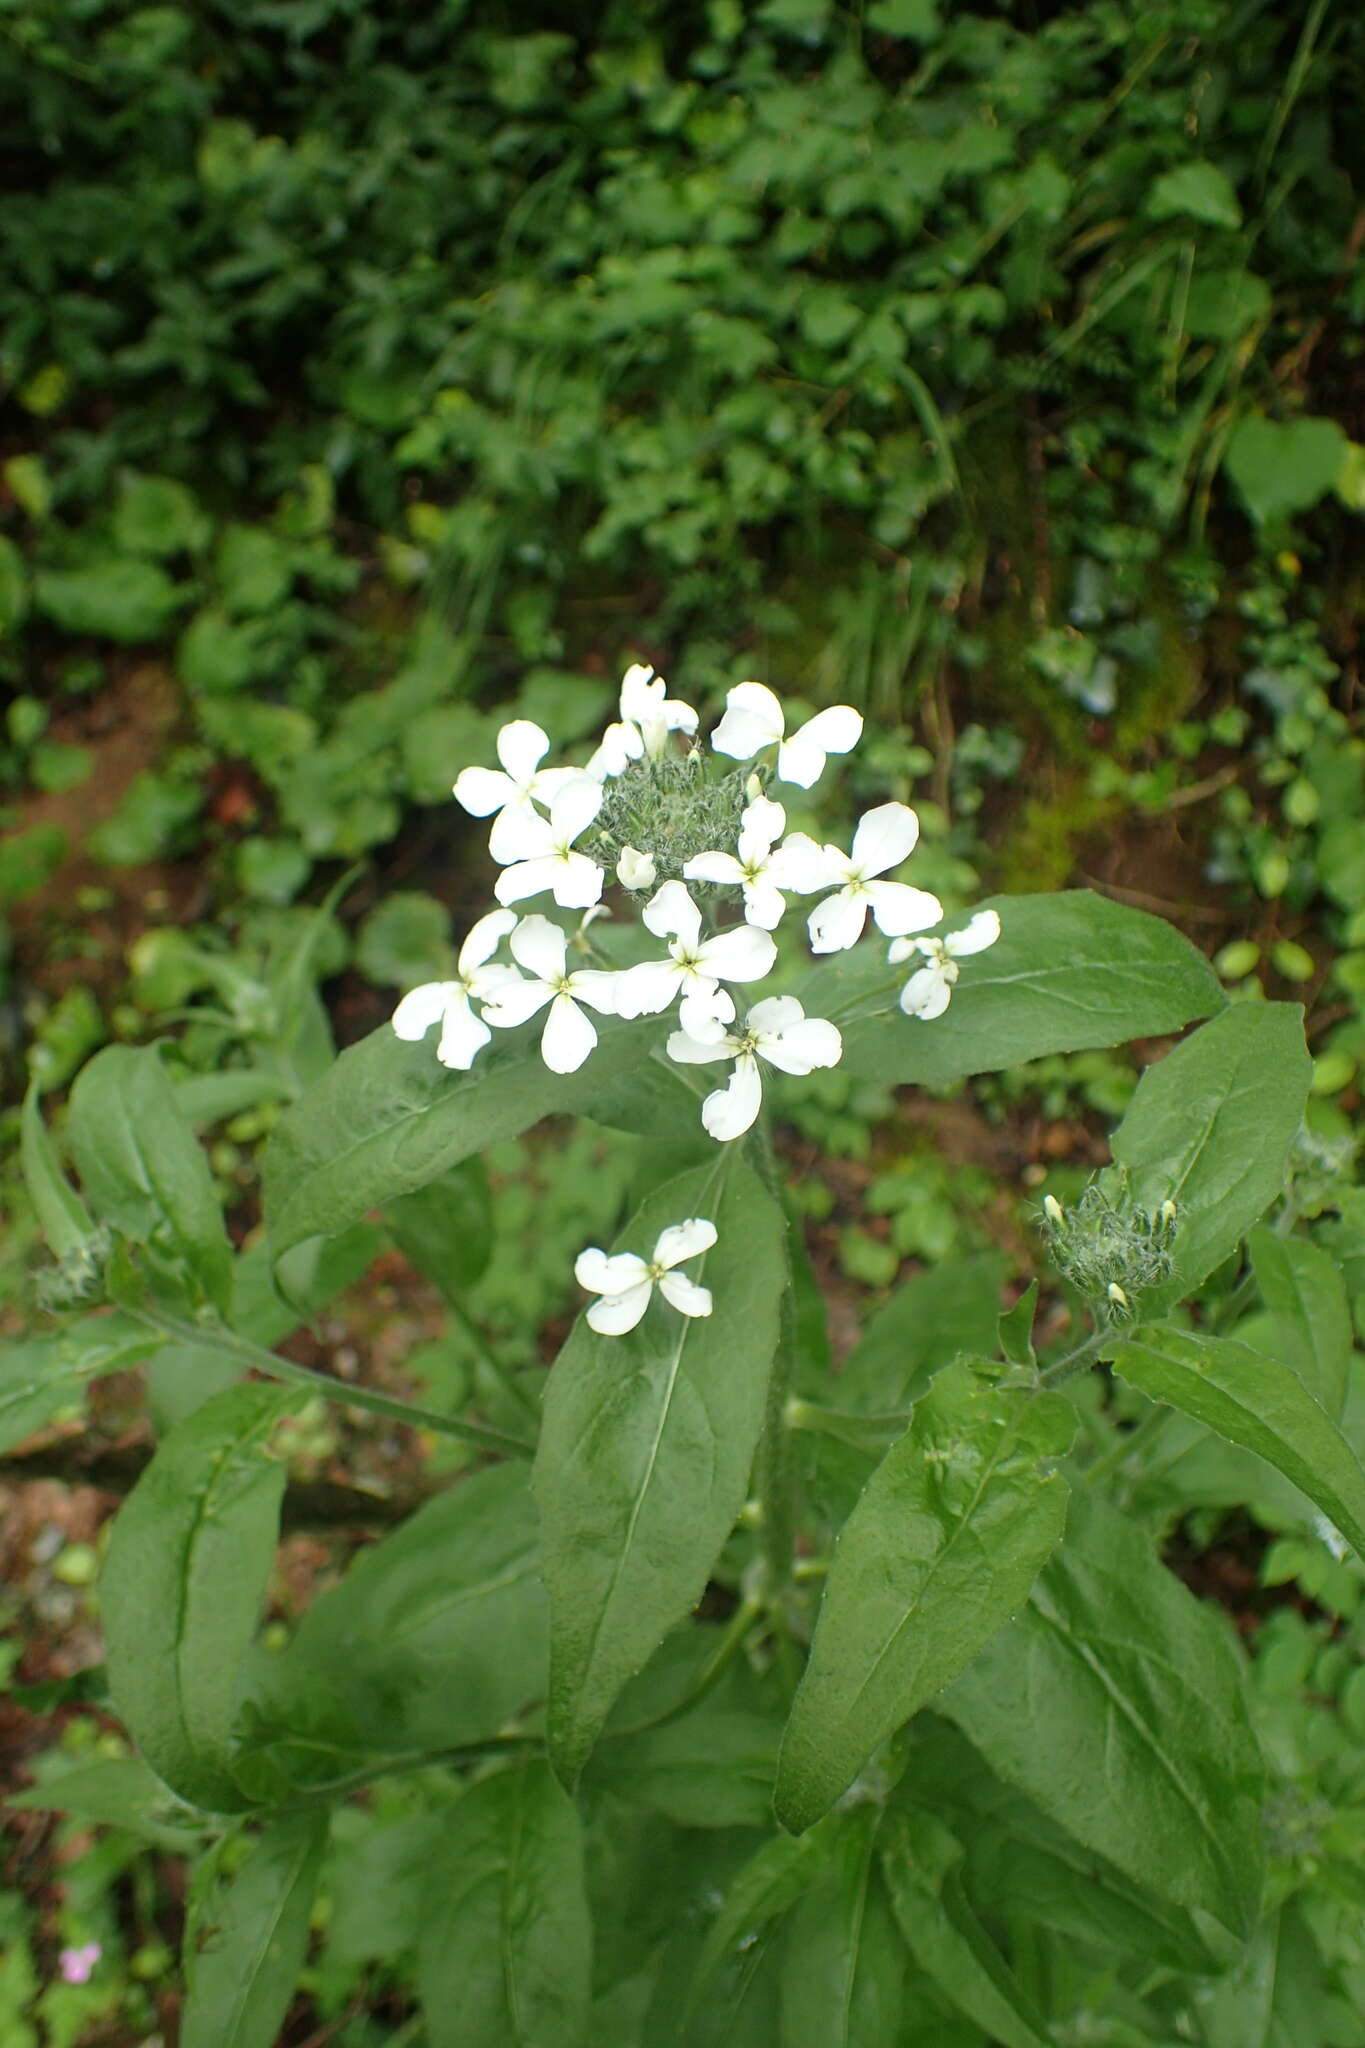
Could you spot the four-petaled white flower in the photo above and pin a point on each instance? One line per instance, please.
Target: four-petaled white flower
(539, 852)
(883, 839)
(626, 1281)
(476, 981)
(929, 989)
(758, 867)
(776, 1030)
(695, 966)
(515, 790)
(754, 719)
(648, 716)
(569, 1036)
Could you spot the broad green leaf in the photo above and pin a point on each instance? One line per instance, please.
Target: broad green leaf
(155, 515)
(118, 598)
(1284, 467)
(710, 1768)
(1279, 1994)
(504, 1956)
(389, 1118)
(940, 1550)
(1021, 1863)
(1305, 1291)
(435, 1637)
(183, 1584)
(843, 1969)
(646, 1449)
(1200, 189)
(246, 1945)
(60, 1211)
(770, 1883)
(446, 1228)
(40, 1375)
(143, 1170)
(1209, 1129)
(117, 1792)
(920, 1859)
(937, 1316)
(1069, 971)
(1255, 1401)
(1117, 1703)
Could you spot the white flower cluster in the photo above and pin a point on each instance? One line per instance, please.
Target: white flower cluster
(556, 831)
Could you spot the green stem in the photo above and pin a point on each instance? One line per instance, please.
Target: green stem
(774, 1466)
(1123, 1447)
(1074, 1361)
(220, 1339)
(494, 1367)
(869, 1433)
(404, 1764)
(738, 1626)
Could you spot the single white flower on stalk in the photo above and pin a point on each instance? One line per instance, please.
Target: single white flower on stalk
(626, 1281)
(515, 790)
(648, 716)
(539, 852)
(636, 870)
(929, 989)
(776, 1030)
(476, 981)
(758, 866)
(883, 839)
(695, 966)
(569, 1036)
(754, 719)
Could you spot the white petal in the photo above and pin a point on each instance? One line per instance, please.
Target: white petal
(979, 932)
(484, 790)
(802, 1047)
(800, 761)
(744, 954)
(836, 730)
(422, 1007)
(578, 883)
(620, 745)
(705, 1011)
(568, 1036)
(775, 1013)
(601, 1273)
(764, 904)
(753, 720)
(837, 923)
(730, 1111)
(641, 695)
(671, 913)
(756, 700)
(685, 1295)
(463, 1035)
(902, 949)
(699, 1052)
(483, 939)
(799, 864)
(683, 1241)
(485, 984)
(713, 867)
(926, 994)
(645, 990)
(679, 717)
(527, 878)
(515, 1003)
(617, 1313)
(539, 946)
(884, 837)
(574, 808)
(898, 909)
(591, 985)
(520, 833)
(548, 782)
(522, 747)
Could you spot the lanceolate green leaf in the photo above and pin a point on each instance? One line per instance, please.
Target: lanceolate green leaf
(142, 1168)
(771, 1882)
(1116, 1702)
(39, 1375)
(182, 1588)
(941, 1549)
(504, 1954)
(1303, 1287)
(646, 1448)
(920, 1859)
(389, 1118)
(61, 1214)
(1256, 1401)
(246, 1943)
(843, 1969)
(1209, 1129)
(1068, 971)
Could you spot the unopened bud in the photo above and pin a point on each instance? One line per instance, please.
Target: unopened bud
(753, 787)
(636, 870)
(1052, 1209)
(1168, 1211)
(1116, 1294)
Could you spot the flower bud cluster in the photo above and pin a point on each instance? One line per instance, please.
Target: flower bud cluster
(709, 848)
(77, 1279)
(1109, 1248)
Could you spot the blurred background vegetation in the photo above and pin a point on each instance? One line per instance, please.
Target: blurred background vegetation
(369, 373)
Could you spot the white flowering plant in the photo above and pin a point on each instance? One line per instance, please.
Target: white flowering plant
(854, 1637)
